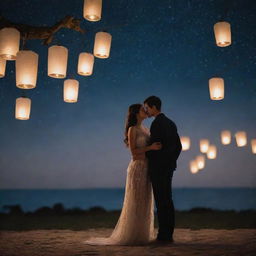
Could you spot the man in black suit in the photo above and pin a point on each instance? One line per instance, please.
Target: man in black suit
(162, 164)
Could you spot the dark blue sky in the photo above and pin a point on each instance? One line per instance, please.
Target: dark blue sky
(163, 48)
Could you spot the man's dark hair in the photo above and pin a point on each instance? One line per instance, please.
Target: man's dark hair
(153, 101)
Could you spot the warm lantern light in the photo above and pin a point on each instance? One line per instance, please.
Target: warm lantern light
(185, 142)
(71, 87)
(225, 137)
(85, 64)
(200, 162)
(193, 166)
(216, 88)
(57, 61)
(212, 152)
(92, 10)
(22, 110)
(204, 145)
(2, 67)
(241, 139)
(222, 33)
(9, 43)
(253, 143)
(26, 69)
(102, 45)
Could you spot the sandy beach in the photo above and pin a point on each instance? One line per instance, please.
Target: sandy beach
(210, 242)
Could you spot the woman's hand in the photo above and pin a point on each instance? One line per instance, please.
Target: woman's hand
(156, 146)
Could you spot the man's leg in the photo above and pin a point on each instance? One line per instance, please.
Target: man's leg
(162, 189)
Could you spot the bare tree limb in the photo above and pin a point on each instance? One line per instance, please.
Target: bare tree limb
(43, 33)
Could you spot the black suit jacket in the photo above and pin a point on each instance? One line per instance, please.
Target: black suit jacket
(164, 130)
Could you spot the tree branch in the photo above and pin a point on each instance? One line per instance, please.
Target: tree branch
(43, 33)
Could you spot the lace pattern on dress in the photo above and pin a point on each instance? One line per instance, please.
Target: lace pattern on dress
(136, 221)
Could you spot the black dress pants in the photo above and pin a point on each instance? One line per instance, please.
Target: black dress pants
(162, 189)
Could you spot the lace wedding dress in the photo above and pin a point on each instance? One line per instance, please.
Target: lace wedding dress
(136, 222)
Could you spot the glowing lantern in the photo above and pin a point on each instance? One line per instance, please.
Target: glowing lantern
(216, 88)
(253, 143)
(225, 137)
(222, 33)
(102, 45)
(200, 162)
(241, 139)
(2, 67)
(92, 10)
(185, 142)
(9, 43)
(204, 145)
(193, 166)
(22, 110)
(26, 69)
(57, 61)
(212, 152)
(85, 64)
(71, 87)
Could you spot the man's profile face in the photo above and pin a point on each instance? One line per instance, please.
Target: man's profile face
(149, 110)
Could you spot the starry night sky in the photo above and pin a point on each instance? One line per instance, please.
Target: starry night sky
(164, 48)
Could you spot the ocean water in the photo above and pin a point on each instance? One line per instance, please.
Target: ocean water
(111, 199)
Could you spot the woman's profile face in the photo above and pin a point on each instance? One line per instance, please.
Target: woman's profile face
(142, 113)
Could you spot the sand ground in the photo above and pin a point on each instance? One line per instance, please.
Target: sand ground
(205, 242)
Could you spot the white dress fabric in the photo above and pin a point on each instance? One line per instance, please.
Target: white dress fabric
(136, 222)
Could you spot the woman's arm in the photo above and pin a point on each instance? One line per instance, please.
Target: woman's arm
(132, 143)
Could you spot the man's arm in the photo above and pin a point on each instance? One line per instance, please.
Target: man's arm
(179, 147)
(155, 136)
(174, 144)
(155, 132)
(132, 143)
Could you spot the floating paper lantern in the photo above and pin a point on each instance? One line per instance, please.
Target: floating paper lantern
(22, 110)
(57, 61)
(222, 33)
(216, 88)
(253, 143)
(102, 45)
(71, 87)
(212, 152)
(9, 43)
(241, 139)
(225, 137)
(26, 69)
(85, 64)
(2, 67)
(204, 145)
(92, 10)
(193, 166)
(200, 161)
(185, 142)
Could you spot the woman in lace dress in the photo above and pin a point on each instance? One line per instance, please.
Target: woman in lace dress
(136, 222)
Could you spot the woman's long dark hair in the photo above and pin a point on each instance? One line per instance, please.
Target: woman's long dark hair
(131, 119)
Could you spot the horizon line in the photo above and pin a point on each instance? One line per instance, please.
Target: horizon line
(178, 187)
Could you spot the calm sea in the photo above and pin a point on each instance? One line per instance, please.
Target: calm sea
(110, 199)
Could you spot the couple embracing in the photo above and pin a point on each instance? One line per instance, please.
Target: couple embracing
(149, 175)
